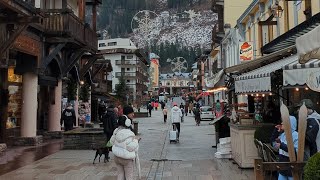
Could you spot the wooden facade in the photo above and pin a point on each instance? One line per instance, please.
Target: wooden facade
(47, 41)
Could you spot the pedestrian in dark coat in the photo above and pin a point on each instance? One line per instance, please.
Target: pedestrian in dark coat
(68, 118)
(150, 108)
(109, 119)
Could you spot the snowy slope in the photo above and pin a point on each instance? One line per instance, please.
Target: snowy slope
(188, 28)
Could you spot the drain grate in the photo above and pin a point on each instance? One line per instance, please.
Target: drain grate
(158, 160)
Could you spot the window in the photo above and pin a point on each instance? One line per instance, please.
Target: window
(128, 81)
(130, 57)
(168, 84)
(112, 43)
(102, 44)
(128, 69)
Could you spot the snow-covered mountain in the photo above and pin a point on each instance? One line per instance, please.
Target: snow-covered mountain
(187, 22)
(189, 28)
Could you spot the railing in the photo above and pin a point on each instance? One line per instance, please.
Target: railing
(126, 62)
(60, 22)
(126, 74)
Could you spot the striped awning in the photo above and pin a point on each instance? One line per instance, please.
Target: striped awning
(296, 74)
(259, 80)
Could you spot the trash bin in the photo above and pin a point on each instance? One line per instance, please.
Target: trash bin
(135, 127)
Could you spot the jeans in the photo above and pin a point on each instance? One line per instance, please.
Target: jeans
(282, 177)
(125, 168)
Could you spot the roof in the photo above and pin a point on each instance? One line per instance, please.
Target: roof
(264, 60)
(266, 70)
(176, 74)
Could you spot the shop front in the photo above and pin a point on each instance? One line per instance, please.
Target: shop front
(301, 81)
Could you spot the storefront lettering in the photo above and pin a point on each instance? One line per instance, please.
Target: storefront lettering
(253, 85)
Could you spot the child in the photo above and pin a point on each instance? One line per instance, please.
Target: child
(165, 114)
(283, 148)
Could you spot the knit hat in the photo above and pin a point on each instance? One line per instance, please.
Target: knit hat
(307, 102)
(175, 104)
(127, 110)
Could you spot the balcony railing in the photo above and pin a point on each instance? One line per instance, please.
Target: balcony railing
(126, 74)
(63, 23)
(126, 62)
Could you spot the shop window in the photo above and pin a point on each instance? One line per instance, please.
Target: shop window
(13, 77)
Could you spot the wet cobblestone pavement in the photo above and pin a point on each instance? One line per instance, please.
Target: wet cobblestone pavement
(192, 158)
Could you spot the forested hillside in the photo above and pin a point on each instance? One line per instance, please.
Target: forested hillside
(179, 27)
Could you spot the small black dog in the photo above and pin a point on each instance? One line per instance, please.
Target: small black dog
(100, 151)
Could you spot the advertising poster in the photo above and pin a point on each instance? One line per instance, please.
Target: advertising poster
(246, 51)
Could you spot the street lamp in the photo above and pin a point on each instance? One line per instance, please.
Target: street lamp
(277, 10)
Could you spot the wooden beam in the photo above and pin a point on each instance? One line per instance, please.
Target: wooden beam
(8, 43)
(46, 61)
(262, 23)
(73, 60)
(94, 17)
(15, 19)
(286, 16)
(64, 4)
(98, 70)
(87, 66)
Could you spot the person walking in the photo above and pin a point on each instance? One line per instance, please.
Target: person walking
(197, 115)
(109, 120)
(165, 114)
(186, 108)
(68, 118)
(150, 109)
(125, 149)
(176, 115)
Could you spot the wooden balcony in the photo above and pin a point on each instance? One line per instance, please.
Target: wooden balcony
(62, 25)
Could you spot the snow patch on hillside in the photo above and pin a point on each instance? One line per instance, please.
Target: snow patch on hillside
(189, 28)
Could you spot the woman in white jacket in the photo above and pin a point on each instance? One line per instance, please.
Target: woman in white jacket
(125, 148)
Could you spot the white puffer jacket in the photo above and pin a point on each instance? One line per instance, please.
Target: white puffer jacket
(124, 143)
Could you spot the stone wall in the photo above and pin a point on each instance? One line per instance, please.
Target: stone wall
(27, 141)
(84, 138)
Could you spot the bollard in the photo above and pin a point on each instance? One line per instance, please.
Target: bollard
(135, 127)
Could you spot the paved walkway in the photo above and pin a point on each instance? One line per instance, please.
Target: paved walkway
(192, 158)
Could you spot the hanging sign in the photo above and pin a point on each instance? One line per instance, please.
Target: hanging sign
(313, 81)
(246, 51)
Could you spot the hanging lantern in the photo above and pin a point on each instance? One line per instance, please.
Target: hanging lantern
(277, 10)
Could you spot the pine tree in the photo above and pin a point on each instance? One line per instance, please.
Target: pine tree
(121, 90)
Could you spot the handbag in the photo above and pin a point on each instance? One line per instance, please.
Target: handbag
(109, 144)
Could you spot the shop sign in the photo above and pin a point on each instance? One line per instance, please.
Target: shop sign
(27, 44)
(246, 51)
(313, 81)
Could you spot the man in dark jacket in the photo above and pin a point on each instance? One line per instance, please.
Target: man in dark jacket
(109, 120)
(312, 131)
(68, 117)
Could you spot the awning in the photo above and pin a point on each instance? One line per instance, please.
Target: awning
(211, 81)
(308, 45)
(289, 38)
(262, 61)
(296, 74)
(259, 80)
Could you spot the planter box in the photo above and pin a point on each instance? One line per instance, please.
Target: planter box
(141, 114)
(84, 138)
